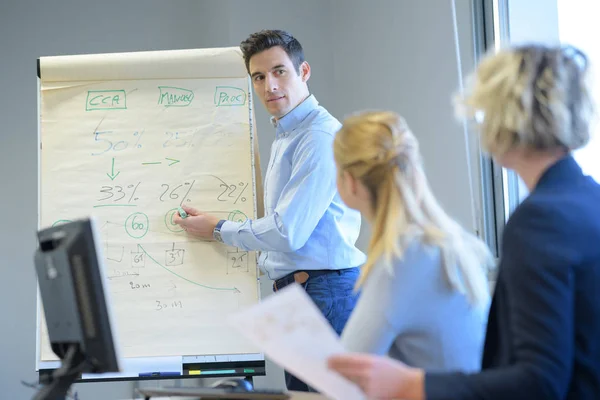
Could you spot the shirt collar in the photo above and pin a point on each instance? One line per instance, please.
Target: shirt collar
(292, 119)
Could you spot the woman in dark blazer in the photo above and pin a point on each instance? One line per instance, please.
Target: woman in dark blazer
(543, 332)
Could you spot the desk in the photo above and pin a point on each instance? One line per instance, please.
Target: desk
(307, 396)
(295, 396)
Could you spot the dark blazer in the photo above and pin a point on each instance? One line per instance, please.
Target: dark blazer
(543, 333)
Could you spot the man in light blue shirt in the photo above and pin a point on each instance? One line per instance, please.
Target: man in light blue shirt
(308, 234)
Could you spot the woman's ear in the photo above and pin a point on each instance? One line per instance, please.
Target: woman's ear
(350, 182)
(361, 191)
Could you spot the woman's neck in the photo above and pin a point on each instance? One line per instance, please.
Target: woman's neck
(532, 166)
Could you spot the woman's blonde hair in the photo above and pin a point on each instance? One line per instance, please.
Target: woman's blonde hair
(379, 150)
(533, 97)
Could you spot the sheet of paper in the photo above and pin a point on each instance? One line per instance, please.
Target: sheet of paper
(289, 328)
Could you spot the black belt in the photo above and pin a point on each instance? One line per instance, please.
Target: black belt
(301, 277)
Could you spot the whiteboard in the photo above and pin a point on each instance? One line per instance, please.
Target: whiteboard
(128, 138)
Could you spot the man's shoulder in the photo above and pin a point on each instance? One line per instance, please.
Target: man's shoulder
(321, 121)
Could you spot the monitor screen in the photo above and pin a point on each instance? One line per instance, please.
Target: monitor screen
(69, 266)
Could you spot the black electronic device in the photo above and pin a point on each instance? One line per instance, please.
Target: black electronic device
(69, 266)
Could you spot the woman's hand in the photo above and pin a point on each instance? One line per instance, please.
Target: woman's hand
(380, 377)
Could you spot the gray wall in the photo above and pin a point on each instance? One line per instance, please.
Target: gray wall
(402, 57)
(399, 56)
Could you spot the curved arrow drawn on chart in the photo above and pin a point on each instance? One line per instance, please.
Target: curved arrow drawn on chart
(232, 289)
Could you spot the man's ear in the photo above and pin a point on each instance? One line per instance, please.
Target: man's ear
(304, 71)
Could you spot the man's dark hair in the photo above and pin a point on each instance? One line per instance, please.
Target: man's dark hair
(265, 39)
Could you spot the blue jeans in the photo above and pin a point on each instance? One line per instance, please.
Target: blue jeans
(334, 294)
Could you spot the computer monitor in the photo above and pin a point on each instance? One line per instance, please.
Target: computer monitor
(69, 266)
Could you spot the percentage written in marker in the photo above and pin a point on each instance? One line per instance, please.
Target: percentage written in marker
(110, 141)
(177, 192)
(232, 192)
(119, 194)
(243, 188)
(138, 135)
(133, 194)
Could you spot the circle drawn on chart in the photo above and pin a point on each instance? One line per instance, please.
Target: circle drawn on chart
(61, 221)
(136, 225)
(172, 226)
(237, 216)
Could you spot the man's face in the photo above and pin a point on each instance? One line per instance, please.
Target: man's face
(280, 87)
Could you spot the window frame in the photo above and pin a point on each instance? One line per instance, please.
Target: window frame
(500, 187)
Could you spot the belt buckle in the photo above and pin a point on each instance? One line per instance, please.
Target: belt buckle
(301, 277)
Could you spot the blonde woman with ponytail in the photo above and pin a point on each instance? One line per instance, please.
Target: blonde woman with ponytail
(424, 294)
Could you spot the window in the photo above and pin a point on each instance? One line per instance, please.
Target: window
(578, 26)
(553, 21)
(571, 22)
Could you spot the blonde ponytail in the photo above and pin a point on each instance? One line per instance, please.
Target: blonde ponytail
(379, 149)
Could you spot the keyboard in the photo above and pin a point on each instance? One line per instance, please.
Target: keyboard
(214, 393)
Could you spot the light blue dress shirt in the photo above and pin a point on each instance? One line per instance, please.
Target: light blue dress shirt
(306, 224)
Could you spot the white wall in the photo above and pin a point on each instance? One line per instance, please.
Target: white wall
(398, 55)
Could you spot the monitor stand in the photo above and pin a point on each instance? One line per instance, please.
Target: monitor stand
(57, 386)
